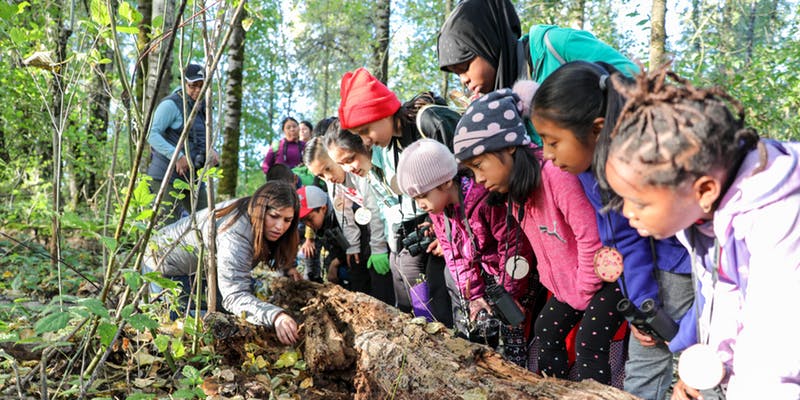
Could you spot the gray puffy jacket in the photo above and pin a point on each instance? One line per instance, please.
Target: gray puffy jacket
(173, 251)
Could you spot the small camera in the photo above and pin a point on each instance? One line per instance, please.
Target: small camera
(649, 319)
(416, 242)
(485, 329)
(503, 305)
(199, 160)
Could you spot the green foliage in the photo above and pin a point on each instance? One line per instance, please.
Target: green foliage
(190, 384)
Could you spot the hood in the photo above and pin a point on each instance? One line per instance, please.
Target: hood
(753, 190)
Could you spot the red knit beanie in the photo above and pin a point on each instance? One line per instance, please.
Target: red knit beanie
(364, 99)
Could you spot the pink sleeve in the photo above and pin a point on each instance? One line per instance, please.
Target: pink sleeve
(579, 215)
(466, 274)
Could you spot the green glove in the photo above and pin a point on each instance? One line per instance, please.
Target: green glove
(379, 262)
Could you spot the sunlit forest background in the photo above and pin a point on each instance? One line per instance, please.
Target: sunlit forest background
(80, 80)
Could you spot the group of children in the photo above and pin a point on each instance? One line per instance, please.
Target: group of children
(574, 194)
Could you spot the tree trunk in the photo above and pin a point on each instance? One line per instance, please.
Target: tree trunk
(658, 34)
(99, 103)
(57, 87)
(387, 354)
(166, 10)
(448, 8)
(229, 159)
(380, 48)
(751, 32)
(3, 149)
(578, 12)
(145, 7)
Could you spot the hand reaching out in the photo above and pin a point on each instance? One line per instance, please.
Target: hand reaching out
(286, 329)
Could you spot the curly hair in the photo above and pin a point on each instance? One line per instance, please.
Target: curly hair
(674, 132)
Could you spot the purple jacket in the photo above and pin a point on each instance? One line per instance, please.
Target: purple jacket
(560, 224)
(284, 152)
(757, 228)
(488, 224)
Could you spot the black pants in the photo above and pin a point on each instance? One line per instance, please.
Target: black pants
(598, 324)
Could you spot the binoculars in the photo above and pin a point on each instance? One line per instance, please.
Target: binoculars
(503, 306)
(485, 329)
(649, 319)
(416, 242)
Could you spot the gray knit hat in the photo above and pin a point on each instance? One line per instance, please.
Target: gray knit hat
(423, 166)
(493, 122)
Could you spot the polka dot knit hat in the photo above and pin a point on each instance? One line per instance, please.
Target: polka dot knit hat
(494, 122)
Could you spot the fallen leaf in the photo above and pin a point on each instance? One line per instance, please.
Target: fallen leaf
(143, 382)
(307, 383)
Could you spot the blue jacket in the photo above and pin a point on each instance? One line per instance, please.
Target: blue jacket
(639, 281)
(166, 129)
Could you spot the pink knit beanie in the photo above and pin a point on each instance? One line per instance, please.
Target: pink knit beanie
(424, 165)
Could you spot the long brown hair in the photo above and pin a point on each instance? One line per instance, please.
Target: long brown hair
(272, 195)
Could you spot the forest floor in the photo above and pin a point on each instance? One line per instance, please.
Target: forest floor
(352, 346)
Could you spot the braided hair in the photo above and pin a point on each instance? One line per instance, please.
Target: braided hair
(674, 132)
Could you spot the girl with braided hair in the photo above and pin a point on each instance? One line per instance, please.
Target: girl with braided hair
(574, 111)
(559, 223)
(683, 161)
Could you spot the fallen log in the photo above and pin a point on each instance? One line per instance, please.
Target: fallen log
(389, 354)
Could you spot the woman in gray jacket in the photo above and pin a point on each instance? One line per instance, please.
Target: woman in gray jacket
(259, 228)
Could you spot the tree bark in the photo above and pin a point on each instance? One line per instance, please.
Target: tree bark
(448, 8)
(391, 355)
(658, 34)
(229, 159)
(751, 32)
(145, 7)
(166, 10)
(99, 104)
(578, 12)
(380, 48)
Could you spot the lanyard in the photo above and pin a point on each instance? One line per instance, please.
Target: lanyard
(716, 264)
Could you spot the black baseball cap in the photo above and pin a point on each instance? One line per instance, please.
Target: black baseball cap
(194, 73)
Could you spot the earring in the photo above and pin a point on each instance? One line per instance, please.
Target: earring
(706, 208)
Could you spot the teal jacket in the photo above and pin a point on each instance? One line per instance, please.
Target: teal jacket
(569, 45)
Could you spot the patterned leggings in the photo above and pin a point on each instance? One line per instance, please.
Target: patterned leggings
(599, 322)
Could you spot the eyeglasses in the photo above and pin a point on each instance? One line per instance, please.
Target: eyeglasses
(195, 85)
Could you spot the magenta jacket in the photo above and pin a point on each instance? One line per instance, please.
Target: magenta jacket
(284, 152)
(489, 228)
(560, 224)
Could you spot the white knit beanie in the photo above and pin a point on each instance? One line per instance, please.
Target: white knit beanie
(423, 166)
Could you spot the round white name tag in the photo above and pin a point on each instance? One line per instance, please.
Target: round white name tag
(700, 367)
(363, 216)
(517, 267)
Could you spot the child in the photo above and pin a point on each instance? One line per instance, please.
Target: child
(683, 162)
(369, 227)
(306, 131)
(259, 228)
(574, 111)
(480, 42)
(288, 150)
(369, 109)
(317, 213)
(558, 221)
(468, 229)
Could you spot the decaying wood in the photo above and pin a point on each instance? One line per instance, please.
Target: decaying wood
(390, 355)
